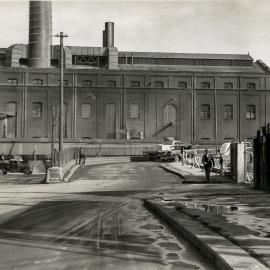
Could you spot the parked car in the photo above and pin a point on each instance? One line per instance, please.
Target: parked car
(15, 164)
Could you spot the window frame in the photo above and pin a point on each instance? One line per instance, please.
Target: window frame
(13, 120)
(39, 109)
(130, 115)
(65, 82)
(166, 113)
(37, 82)
(135, 84)
(90, 110)
(12, 81)
(226, 84)
(158, 84)
(205, 114)
(205, 85)
(251, 86)
(251, 114)
(227, 114)
(111, 83)
(87, 83)
(184, 83)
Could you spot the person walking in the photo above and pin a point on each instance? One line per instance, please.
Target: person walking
(81, 157)
(208, 162)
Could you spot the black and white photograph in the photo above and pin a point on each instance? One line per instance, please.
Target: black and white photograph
(134, 135)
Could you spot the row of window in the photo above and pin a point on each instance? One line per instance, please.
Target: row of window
(134, 111)
(227, 112)
(136, 84)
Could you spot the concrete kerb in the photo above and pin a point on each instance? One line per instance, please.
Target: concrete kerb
(219, 250)
(70, 172)
(169, 168)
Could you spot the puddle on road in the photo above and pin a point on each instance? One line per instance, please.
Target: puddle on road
(217, 209)
(240, 214)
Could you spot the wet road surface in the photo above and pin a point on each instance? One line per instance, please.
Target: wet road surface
(96, 222)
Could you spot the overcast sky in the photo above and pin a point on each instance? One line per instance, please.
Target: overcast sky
(193, 26)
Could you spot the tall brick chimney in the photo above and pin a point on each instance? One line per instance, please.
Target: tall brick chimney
(108, 35)
(40, 34)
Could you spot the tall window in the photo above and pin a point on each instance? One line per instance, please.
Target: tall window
(87, 83)
(205, 85)
(169, 114)
(86, 110)
(12, 81)
(182, 85)
(159, 84)
(251, 112)
(36, 109)
(135, 84)
(134, 111)
(251, 86)
(111, 83)
(12, 121)
(228, 112)
(110, 120)
(37, 82)
(205, 112)
(228, 85)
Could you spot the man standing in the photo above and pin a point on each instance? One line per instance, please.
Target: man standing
(208, 162)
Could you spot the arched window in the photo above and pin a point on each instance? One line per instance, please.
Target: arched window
(251, 112)
(228, 112)
(182, 85)
(205, 112)
(111, 83)
(205, 85)
(87, 83)
(36, 109)
(228, 85)
(169, 114)
(12, 81)
(86, 110)
(37, 82)
(251, 86)
(12, 120)
(135, 84)
(134, 111)
(159, 84)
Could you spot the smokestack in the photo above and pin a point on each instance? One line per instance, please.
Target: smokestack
(108, 35)
(40, 34)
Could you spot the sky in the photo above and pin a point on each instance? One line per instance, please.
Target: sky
(183, 26)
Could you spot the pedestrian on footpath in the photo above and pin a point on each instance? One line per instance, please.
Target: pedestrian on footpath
(208, 162)
(81, 157)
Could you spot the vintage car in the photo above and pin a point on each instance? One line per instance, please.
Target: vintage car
(15, 164)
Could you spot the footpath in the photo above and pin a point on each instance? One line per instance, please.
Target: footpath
(228, 222)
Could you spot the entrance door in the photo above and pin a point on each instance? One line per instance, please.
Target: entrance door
(110, 120)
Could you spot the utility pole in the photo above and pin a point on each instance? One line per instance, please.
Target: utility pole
(61, 98)
(216, 113)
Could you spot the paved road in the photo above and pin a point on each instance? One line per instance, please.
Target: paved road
(95, 222)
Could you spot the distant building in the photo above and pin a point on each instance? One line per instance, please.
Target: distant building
(110, 94)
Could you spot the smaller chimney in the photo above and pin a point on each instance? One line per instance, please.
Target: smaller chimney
(108, 35)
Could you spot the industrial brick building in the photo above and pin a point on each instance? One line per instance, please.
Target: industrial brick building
(111, 94)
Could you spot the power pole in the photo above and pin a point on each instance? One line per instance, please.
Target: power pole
(61, 98)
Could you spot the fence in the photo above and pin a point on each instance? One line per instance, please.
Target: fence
(262, 159)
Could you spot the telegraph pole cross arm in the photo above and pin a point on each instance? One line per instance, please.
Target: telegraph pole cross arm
(61, 98)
